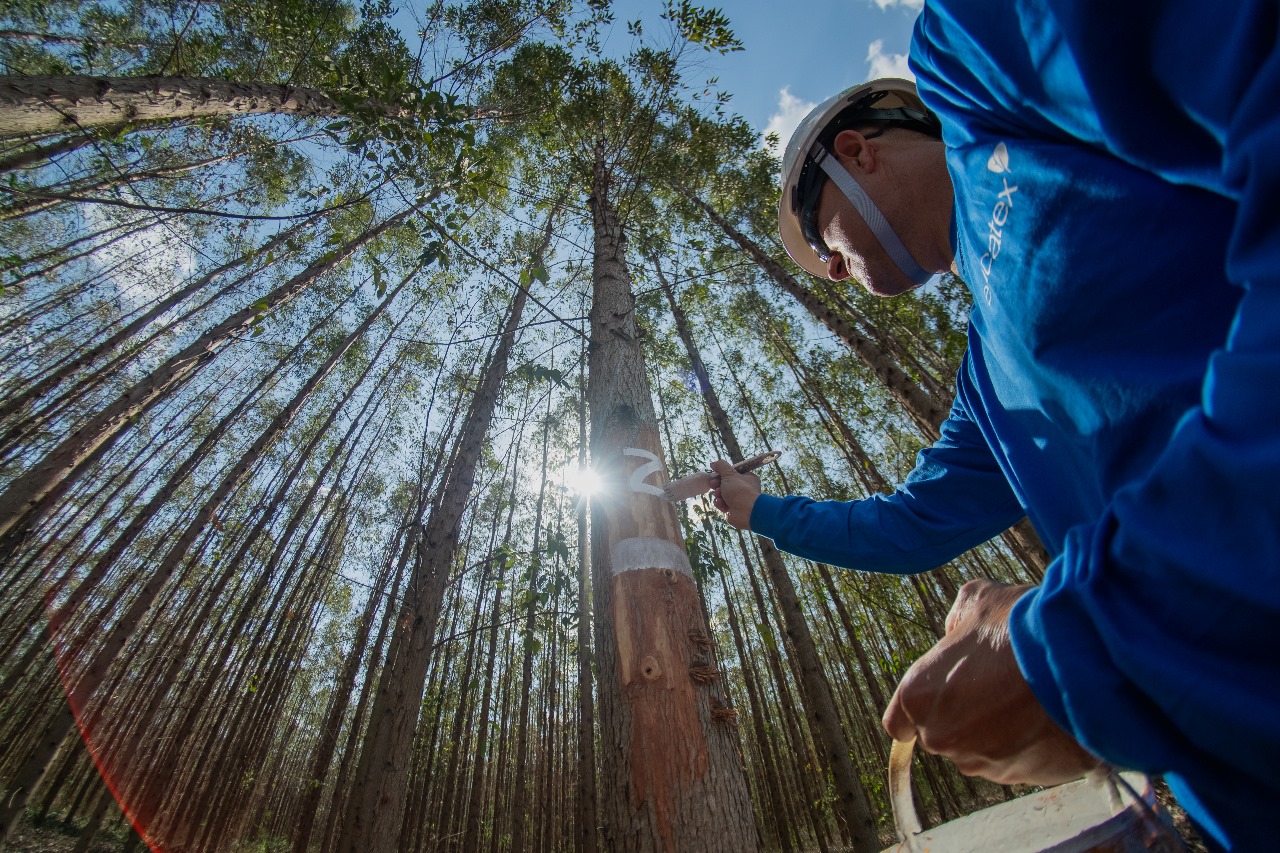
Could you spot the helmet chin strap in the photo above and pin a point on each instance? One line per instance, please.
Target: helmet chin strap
(870, 214)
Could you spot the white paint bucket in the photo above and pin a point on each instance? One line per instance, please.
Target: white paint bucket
(1107, 812)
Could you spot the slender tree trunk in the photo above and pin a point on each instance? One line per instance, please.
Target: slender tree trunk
(519, 809)
(71, 142)
(34, 200)
(35, 390)
(354, 730)
(375, 813)
(851, 800)
(93, 674)
(50, 104)
(805, 764)
(501, 557)
(672, 778)
(926, 411)
(773, 787)
(29, 495)
(587, 839)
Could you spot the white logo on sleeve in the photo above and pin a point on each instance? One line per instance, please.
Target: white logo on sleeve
(1000, 212)
(999, 162)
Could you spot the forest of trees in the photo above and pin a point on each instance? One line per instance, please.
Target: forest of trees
(313, 314)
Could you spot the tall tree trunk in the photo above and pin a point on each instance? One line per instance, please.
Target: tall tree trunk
(519, 809)
(71, 142)
(95, 672)
(502, 560)
(376, 811)
(35, 390)
(672, 778)
(852, 804)
(807, 765)
(764, 743)
(587, 839)
(50, 104)
(36, 199)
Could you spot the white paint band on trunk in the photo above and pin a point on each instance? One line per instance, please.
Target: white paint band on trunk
(647, 552)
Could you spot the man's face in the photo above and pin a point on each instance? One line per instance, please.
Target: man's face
(855, 251)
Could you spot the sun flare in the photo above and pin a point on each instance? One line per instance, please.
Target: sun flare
(582, 481)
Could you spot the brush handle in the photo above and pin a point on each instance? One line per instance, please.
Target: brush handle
(760, 460)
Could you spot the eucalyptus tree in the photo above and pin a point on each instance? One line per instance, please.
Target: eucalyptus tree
(670, 774)
(852, 803)
(152, 385)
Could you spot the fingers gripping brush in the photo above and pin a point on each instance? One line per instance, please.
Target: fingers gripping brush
(696, 484)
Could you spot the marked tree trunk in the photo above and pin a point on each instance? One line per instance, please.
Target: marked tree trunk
(671, 775)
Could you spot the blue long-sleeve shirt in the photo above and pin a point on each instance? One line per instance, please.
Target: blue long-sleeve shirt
(1117, 177)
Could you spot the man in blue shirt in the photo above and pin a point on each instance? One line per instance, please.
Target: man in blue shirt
(1106, 179)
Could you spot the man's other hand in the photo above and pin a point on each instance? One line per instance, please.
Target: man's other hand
(966, 699)
(735, 494)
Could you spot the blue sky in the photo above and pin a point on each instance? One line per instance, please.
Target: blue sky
(798, 52)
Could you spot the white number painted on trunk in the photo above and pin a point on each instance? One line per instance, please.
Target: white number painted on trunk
(642, 473)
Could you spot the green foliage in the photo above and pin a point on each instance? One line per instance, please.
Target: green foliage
(704, 26)
(534, 373)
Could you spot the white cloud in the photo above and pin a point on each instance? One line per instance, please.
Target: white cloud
(791, 110)
(881, 64)
(910, 4)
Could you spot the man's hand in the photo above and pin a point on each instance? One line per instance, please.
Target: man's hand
(966, 699)
(735, 494)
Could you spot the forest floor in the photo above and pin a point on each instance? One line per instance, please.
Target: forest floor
(53, 836)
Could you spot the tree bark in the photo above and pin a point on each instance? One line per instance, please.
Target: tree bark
(671, 776)
(60, 103)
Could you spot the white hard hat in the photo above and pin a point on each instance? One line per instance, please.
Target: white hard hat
(890, 100)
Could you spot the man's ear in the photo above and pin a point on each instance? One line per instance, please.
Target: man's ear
(850, 145)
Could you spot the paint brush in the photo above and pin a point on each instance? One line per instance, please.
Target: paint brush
(696, 484)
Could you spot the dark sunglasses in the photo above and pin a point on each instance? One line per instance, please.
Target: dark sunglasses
(808, 191)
